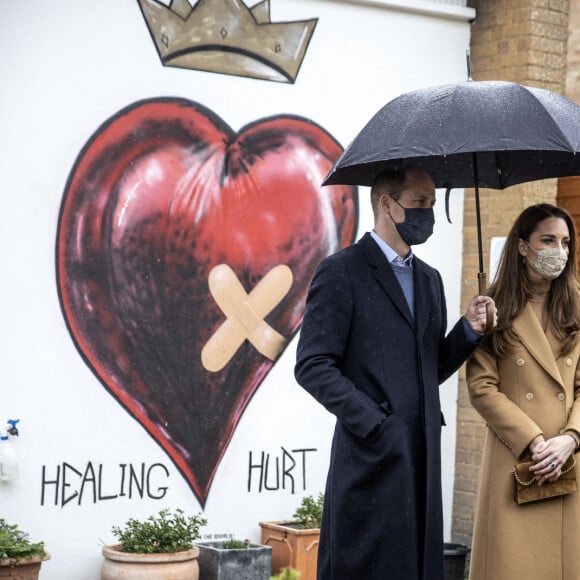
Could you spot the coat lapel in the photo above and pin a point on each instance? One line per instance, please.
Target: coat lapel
(421, 285)
(386, 277)
(532, 336)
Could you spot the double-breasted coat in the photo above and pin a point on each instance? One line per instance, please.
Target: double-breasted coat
(529, 391)
(364, 357)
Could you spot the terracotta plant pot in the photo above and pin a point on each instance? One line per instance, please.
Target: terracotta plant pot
(292, 547)
(130, 566)
(23, 569)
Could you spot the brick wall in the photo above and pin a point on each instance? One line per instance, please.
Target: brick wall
(573, 68)
(524, 41)
(569, 188)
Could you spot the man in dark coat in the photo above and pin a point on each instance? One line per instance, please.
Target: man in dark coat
(373, 351)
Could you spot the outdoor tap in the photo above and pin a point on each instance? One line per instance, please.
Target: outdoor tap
(9, 469)
(12, 430)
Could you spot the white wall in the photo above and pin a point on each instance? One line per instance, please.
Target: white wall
(66, 67)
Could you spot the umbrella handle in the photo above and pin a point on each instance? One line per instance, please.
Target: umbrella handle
(482, 282)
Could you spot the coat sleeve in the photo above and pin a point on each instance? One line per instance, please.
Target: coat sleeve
(321, 350)
(510, 423)
(457, 345)
(574, 417)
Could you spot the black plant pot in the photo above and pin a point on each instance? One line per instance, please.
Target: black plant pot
(454, 556)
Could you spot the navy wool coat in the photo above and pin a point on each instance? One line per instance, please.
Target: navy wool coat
(363, 356)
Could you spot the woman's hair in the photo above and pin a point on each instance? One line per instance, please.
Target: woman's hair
(512, 286)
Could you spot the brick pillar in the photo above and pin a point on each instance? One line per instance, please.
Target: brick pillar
(573, 68)
(522, 41)
(569, 187)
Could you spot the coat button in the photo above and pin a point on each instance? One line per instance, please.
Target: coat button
(530, 396)
(569, 362)
(520, 362)
(560, 396)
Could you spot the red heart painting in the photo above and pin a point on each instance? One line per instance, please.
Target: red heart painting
(177, 234)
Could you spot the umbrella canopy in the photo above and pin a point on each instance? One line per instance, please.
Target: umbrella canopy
(489, 133)
(518, 134)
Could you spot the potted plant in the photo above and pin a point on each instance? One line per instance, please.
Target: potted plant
(159, 547)
(234, 560)
(295, 542)
(19, 556)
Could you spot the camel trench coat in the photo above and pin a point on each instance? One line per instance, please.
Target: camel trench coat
(528, 392)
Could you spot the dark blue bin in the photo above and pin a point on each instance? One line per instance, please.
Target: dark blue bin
(454, 556)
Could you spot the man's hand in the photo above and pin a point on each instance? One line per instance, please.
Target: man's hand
(476, 313)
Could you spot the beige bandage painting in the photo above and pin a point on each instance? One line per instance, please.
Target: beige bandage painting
(245, 315)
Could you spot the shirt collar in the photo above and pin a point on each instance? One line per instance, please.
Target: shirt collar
(390, 254)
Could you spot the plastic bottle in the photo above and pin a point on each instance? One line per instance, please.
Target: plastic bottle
(8, 459)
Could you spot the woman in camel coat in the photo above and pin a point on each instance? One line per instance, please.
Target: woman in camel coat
(525, 382)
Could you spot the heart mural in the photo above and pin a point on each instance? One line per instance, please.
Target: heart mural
(184, 254)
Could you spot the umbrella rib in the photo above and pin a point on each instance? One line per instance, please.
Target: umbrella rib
(542, 108)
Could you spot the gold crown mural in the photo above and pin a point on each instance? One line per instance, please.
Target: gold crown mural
(226, 36)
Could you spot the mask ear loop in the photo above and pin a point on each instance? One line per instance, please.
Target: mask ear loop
(524, 256)
(389, 209)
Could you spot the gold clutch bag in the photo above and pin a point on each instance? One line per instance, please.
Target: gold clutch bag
(527, 489)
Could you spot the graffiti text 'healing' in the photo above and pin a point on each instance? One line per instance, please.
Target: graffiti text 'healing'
(93, 483)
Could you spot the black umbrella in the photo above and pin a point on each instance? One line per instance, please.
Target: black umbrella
(476, 133)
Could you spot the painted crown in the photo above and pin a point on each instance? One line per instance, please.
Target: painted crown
(226, 36)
